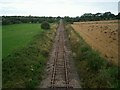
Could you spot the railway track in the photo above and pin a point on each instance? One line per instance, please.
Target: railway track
(60, 71)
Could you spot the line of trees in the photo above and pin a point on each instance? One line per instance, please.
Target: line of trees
(27, 19)
(85, 17)
(93, 17)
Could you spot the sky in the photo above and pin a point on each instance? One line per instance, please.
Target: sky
(55, 8)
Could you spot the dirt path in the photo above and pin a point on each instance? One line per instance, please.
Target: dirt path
(60, 71)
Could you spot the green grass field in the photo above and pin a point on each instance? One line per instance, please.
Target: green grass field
(24, 67)
(17, 36)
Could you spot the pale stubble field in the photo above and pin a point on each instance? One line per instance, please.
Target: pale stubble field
(102, 36)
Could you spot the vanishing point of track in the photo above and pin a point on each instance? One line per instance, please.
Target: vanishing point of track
(60, 72)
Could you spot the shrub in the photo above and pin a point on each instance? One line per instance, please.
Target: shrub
(45, 25)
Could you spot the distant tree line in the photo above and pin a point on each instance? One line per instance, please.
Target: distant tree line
(27, 19)
(92, 17)
(33, 19)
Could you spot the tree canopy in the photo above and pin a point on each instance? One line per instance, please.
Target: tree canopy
(92, 17)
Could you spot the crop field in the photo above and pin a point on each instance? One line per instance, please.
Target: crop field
(59, 48)
(94, 70)
(102, 36)
(24, 66)
(17, 36)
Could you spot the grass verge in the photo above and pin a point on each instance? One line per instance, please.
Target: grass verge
(24, 67)
(94, 71)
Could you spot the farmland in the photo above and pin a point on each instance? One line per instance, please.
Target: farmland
(59, 44)
(24, 66)
(102, 36)
(92, 45)
(94, 70)
(17, 36)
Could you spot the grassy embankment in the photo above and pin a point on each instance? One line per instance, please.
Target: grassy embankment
(24, 66)
(94, 71)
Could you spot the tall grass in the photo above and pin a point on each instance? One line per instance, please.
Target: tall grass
(24, 67)
(94, 71)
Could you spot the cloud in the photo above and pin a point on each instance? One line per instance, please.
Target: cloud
(55, 7)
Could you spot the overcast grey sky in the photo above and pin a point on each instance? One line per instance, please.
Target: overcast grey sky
(57, 7)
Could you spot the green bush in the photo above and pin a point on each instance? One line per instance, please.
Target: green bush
(45, 25)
